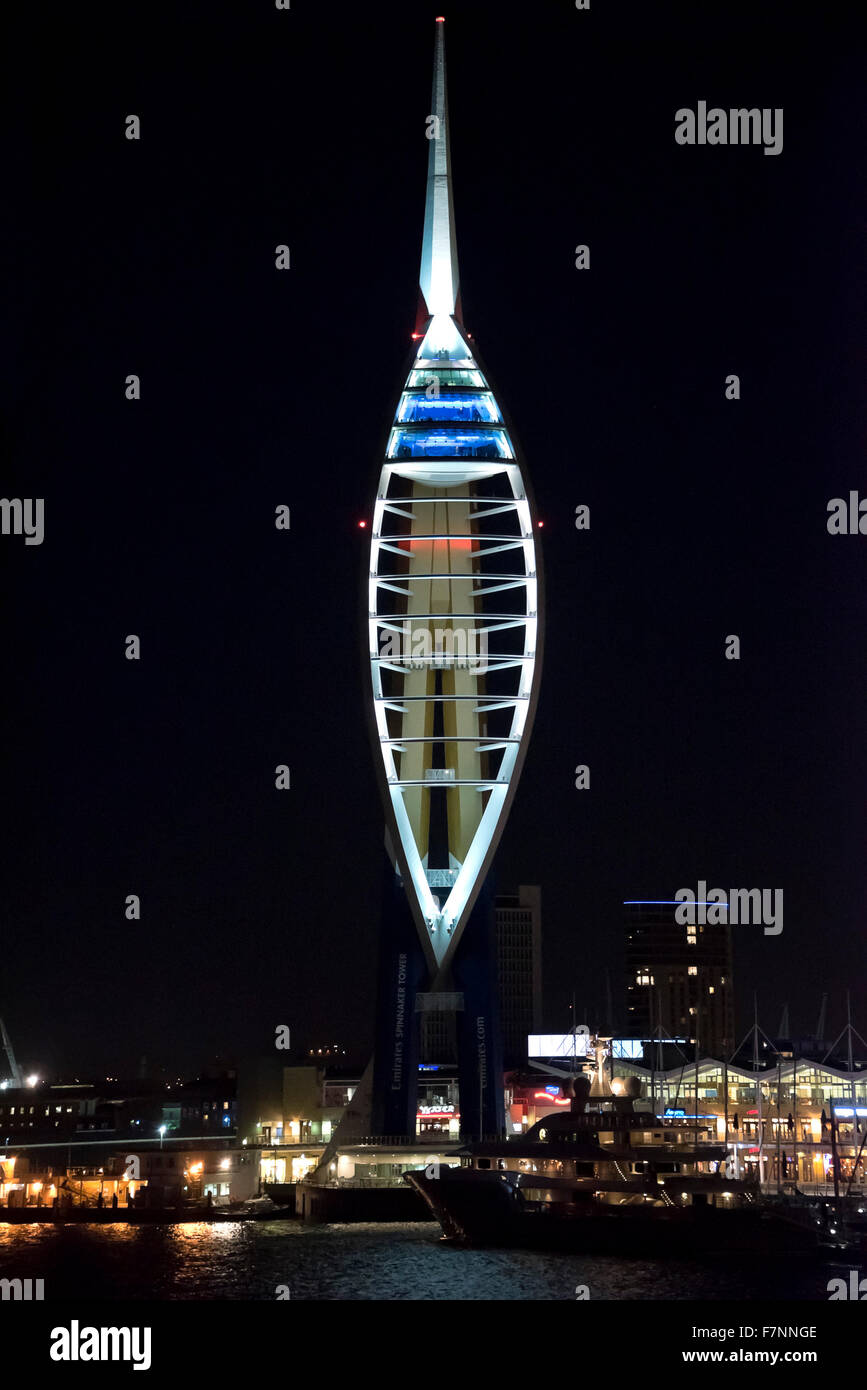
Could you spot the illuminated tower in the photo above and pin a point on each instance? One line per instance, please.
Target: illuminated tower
(454, 639)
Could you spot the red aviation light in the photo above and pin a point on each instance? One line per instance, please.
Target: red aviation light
(362, 524)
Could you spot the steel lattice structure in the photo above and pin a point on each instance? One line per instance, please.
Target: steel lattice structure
(454, 606)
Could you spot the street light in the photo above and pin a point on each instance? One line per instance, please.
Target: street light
(162, 1130)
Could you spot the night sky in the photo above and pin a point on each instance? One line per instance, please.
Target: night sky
(261, 388)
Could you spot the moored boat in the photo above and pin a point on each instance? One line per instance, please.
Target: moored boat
(609, 1180)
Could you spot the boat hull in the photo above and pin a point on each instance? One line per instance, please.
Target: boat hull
(486, 1209)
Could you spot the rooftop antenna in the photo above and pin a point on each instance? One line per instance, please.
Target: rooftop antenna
(823, 1012)
(784, 1022)
(7, 1048)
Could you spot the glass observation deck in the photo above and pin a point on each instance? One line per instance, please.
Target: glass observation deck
(423, 443)
(470, 408)
(445, 376)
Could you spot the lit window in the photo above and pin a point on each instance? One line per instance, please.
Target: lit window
(692, 970)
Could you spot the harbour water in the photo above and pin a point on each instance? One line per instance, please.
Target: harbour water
(253, 1260)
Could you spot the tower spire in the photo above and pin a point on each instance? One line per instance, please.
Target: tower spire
(439, 255)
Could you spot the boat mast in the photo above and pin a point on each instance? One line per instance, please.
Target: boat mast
(779, 1164)
(725, 1072)
(652, 1060)
(758, 1089)
(697, 1030)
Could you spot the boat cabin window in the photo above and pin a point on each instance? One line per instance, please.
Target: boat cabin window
(584, 1170)
(483, 1163)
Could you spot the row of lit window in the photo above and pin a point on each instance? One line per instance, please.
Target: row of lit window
(23, 1110)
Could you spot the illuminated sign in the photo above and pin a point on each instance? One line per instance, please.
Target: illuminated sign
(425, 1111)
(558, 1044)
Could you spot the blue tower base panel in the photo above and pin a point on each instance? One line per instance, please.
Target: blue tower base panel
(480, 1049)
(402, 971)
(402, 974)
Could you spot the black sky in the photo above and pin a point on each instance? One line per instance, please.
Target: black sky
(306, 127)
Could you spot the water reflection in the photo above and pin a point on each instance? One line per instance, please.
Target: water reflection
(250, 1260)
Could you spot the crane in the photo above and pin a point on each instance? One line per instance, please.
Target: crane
(7, 1048)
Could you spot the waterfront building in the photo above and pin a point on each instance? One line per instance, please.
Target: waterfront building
(777, 1121)
(162, 1173)
(79, 1111)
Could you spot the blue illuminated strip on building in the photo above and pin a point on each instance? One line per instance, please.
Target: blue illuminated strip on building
(449, 443)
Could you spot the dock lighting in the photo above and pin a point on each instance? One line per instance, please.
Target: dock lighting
(32, 1079)
(226, 1163)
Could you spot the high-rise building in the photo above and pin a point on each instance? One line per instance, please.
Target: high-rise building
(519, 969)
(679, 978)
